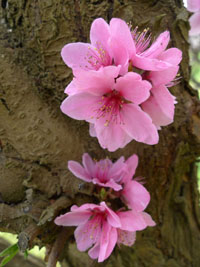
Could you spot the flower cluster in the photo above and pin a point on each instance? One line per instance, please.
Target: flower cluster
(99, 228)
(120, 87)
(194, 6)
(120, 83)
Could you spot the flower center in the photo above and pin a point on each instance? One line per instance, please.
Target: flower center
(102, 170)
(97, 57)
(110, 106)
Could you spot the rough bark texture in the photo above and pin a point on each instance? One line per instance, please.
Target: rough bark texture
(37, 140)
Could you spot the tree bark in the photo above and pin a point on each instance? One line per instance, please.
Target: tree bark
(37, 140)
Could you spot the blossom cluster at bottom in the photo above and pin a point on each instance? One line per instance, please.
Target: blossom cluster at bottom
(100, 226)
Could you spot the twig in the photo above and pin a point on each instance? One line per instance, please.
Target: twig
(58, 246)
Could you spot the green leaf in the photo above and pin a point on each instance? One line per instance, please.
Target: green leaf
(8, 258)
(26, 254)
(103, 194)
(10, 250)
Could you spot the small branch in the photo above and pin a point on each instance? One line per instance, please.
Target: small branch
(26, 237)
(58, 246)
(49, 213)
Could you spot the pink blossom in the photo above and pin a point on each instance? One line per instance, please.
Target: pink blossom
(103, 50)
(117, 176)
(112, 106)
(147, 58)
(194, 6)
(126, 238)
(96, 226)
(140, 53)
(103, 173)
(134, 194)
(99, 228)
(131, 222)
(160, 105)
(115, 43)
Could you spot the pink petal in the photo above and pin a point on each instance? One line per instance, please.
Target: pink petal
(92, 130)
(146, 63)
(112, 217)
(148, 219)
(78, 171)
(195, 24)
(99, 33)
(89, 206)
(127, 238)
(111, 136)
(112, 242)
(104, 241)
(111, 184)
(97, 82)
(163, 77)
(136, 196)
(76, 55)
(80, 106)
(74, 208)
(88, 164)
(73, 218)
(71, 89)
(138, 125)
(83, 240)
(108, 241)
(119, 54)
(121, 32)
(193, 5)
(172, 55)
(94, 251)
(88, 234)
(158, 46)
(160, 106)
(132, 221)
(102, 167)
(132, 88)
(117, 169)
(132, 163)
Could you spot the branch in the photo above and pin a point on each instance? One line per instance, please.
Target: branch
(58, 246)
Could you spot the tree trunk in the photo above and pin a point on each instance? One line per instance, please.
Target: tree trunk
(37, 140)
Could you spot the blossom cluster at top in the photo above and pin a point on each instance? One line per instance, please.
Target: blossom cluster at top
(120, 83)
(99, 227)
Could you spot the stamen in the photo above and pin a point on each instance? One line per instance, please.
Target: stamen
(142, 39)
(175, 81)
(110, 108)
(97, 57)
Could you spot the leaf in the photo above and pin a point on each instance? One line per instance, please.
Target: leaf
(8, 258)
(103, 193)
(26, 254)
(10, 250)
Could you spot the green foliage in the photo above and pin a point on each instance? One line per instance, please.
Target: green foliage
(8, 254)
(195, 83)
(26, 254)
(198, 175)
(195, 74)
(103, 193)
